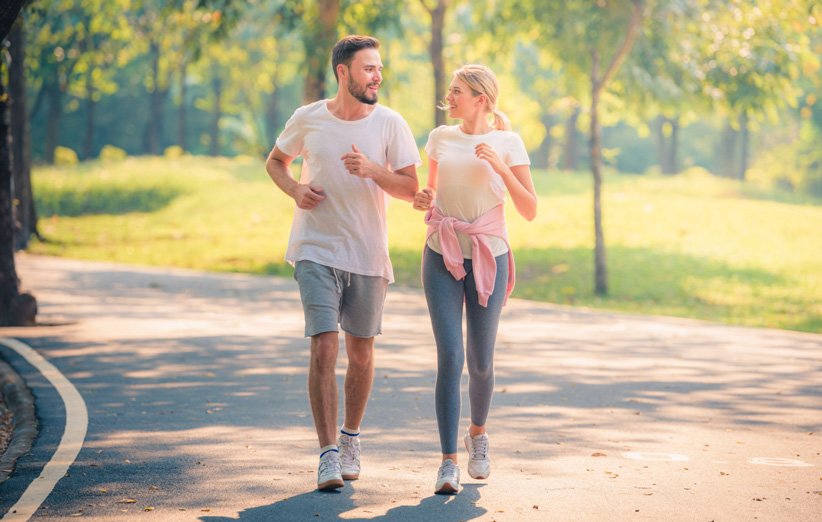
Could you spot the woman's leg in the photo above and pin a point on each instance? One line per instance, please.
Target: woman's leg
(482, 325)
(445, 297)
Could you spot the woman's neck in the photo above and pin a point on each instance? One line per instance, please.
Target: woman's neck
(477, 125)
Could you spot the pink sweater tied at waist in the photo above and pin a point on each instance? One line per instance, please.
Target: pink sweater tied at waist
(492, 223)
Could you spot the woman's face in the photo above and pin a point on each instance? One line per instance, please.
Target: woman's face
(462, 104)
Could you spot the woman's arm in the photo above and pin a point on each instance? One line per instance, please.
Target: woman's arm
(424, 198)
(517, 180)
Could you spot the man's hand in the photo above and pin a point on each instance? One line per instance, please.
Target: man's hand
(423, 198)
(308, 196)
(358, 164)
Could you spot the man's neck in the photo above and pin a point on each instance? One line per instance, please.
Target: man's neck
(346, 107)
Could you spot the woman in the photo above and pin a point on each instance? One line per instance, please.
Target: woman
(467, 260)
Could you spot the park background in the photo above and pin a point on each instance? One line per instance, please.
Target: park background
(675, 144)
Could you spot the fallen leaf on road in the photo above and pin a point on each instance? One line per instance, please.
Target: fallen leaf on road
(148, 508)
(599, 454)
(127, 501)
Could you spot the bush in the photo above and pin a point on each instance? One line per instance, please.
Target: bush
(795, 166)
(65, 156)
(174, 152)
(112, 153)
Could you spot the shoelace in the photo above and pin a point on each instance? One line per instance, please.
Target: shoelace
(328, 462)
(479, 446)
(448, 469)
(352, 453)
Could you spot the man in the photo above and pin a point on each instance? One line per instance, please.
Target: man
(355, 153)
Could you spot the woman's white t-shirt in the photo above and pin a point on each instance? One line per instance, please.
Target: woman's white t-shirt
(348, 229)
(467, 187)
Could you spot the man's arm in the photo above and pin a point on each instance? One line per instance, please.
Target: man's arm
(401, 184)
(305, 196)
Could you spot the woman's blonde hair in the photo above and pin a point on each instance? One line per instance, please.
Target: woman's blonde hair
(481, 80)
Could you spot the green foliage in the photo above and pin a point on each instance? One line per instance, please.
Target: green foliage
(795, 166)
(112, 153)
(691, 245)
(173, 152)
(65, 156)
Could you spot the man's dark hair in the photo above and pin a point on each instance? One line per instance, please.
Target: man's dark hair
(345, 49)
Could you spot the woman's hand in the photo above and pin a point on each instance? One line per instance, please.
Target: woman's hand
(423, 199)
(486, 152)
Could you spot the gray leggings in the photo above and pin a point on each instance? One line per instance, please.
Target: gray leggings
(445, 296)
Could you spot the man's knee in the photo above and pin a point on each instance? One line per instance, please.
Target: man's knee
(324, 349)
(360, 351)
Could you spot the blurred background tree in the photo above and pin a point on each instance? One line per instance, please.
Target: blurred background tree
(652, 86)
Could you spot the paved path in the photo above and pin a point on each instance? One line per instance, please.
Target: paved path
(195, 388)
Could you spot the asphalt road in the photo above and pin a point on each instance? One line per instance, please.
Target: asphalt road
(195, 387)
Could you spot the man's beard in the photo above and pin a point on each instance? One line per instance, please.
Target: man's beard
(361, 93)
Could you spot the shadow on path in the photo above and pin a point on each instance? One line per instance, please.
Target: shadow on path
(331, 506)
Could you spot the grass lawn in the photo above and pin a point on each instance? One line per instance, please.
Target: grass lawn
(689, 246)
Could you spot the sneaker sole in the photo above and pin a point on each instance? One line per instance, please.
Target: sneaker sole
(331, 485)
(479, 476)
(350, 476)
(447, 489)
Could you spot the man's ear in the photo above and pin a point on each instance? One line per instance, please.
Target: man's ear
(342, 72)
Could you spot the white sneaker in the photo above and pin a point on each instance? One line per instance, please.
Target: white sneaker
(329, 474)
(479, 465)
(448, 478)
(349, 456)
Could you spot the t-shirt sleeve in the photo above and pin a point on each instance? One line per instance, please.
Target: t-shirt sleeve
(402, 148)
(516, 153)
(291, 138)
(431, 146)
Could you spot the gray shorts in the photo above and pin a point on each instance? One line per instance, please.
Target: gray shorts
(331, 296)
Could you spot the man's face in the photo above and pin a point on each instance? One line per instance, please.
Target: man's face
(365, 75)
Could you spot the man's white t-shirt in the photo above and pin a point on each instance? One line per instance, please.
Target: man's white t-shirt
(348, 229)
(467, 187)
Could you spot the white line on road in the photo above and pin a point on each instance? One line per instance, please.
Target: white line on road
(70, 443)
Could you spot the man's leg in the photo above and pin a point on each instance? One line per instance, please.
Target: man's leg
(322, 386)
(358, 378)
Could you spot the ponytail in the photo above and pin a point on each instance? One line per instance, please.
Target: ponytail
(501, 121)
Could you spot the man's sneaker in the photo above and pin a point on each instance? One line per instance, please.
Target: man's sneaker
(479, 465)
(448, 478)
(329, 474)
(350, 456)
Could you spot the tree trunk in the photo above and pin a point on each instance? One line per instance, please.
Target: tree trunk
(658, 127)
(24, 215)
(672, 150)
(543, 158)
(155, 119)
(318, 42)
(272, 115)
(744, 153)
(435, 51)
(55, 112)
(9, 10)
(181, 112)
(726, 152)
(88, 142)
(601, 273)
(570, 156)
(16, 309)
(215, 116)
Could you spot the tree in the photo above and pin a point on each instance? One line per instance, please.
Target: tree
(16, 308)
(24, 211)
(592, 40)
(435, 47)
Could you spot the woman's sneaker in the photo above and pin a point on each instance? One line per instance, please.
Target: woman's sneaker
(448, 478)
(349, 456)
(329, 474)
(479, 465)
